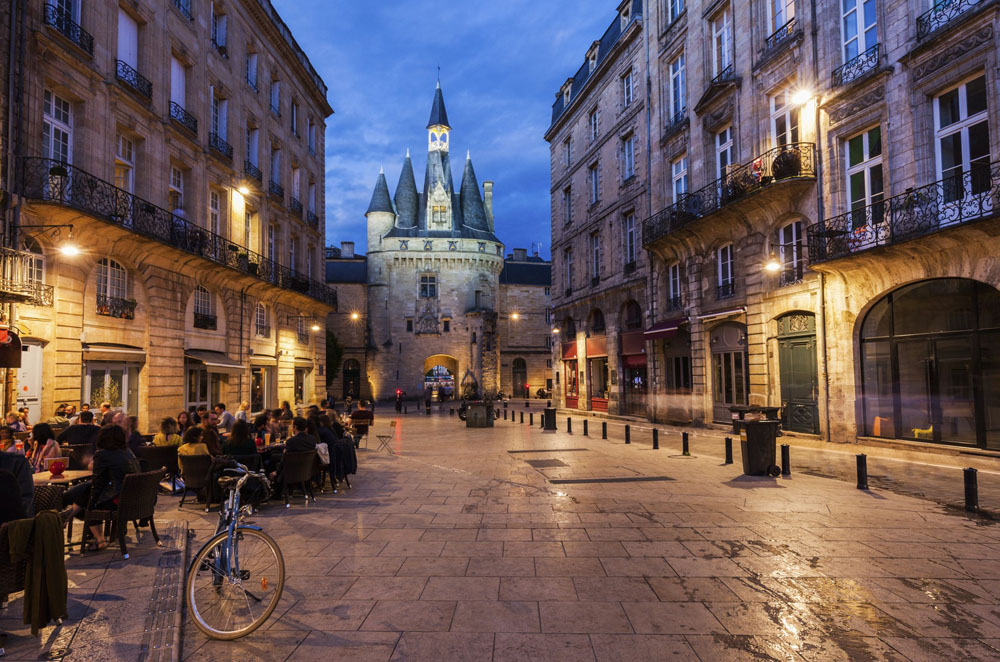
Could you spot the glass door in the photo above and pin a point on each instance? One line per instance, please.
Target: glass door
(197, 387)
(117, 383)
(257, 385)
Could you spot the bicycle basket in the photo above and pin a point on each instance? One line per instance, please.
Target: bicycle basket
(255, 491)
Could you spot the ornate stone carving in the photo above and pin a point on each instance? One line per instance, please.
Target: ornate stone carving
(427, 320)
(857, 104)
(982, 36)
(715, 120)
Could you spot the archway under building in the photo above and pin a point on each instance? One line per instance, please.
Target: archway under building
(519, 378)
(439, 376)
(352, 379)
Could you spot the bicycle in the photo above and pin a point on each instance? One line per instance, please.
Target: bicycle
(238, 558)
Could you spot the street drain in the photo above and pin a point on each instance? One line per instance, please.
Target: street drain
(635, 479)
(552, 450)
(542, 464)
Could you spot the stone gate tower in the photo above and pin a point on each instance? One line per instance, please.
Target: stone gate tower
(433, 274)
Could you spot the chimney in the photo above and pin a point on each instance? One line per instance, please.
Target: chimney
(488, 202)
(347, 249)
(520, 254)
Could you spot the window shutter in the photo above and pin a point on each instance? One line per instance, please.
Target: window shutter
(128, 39)
(178, 83)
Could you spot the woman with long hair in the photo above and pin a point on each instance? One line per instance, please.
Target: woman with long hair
(44, 446)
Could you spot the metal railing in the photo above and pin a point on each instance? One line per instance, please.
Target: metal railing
(218, 143)
(184, 7)
(941, 14)
(133, 79)
(786, 162)
(183, 117)
(206, 321)
(725, 290)
(18, 282)
(117, 307)
(54, 182)
(295, 205)
(275, 189)
(856, 66)
(263, 331)
(674, 303)
(965, 197)
(676, 119)
(726, 75)
(252, 170)
(63, 22)
(630, 267)
(595, 281)
(780, 36)
(313, 219)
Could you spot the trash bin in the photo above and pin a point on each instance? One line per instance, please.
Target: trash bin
(550, 418)
(758, 445)
(738, 413)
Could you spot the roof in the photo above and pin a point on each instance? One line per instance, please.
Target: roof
(439, 116)
(535, 271)
(380, 197)
(407, 198)
(349, 270)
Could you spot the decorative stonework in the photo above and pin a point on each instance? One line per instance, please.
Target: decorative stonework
(719, 118)
(857, 104)
(982, 36)
(427, 319)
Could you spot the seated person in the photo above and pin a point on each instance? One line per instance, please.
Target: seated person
(15, 424)
(83, 433)
(18, 465)
(167, 436)
(301, 440)
(191, 443)
(361, 420)
(240, 442)
(44, 446)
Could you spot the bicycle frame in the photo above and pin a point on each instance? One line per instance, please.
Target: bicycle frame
(229, 518)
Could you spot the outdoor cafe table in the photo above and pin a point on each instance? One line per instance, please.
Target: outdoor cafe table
(66, 478)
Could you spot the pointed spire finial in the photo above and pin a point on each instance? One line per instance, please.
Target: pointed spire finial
(439, 76)
(381, 170)
(407, 152)
(468, 155)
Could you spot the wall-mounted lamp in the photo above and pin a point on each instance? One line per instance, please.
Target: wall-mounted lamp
(67, 248)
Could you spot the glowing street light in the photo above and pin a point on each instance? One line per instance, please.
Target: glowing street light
(355, 316)
(69, 249)
(515, 316)
(801, 96)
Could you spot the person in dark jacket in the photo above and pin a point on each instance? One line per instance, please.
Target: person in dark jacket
(18, 465)
(240, 442)
(82, 433)
(301, 440)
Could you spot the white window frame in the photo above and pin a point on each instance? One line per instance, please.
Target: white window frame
(296, 183)
(628, 93)
(792, 250)
(723, 151)
(722, 40)
(674, 282)
(853, 18)
(220, 114)
(595, 255)
(962, 126)
(292, 243)
(57, 122)
(253, 145)
(125, 163)
(214, 210)
(112, 279)
(128, 39)
(594, 120)
(675, 9)
(865, 167)
(275, 173)
(276, 96)
(204, 301)
(631, 239)
(779, 12)
(260, 321)
(178, 82)
(784, 119)
(679, 177)
(176, 187)
(568, 152)
(568, 262)
(219, 24)
(677, 89)
(295, 118)
(628, 157)
(248, 215)
(724, 266)
(312, 197)
(593, 173)
(311, 136)
(271, 248)
(568, 205)
(252, 70)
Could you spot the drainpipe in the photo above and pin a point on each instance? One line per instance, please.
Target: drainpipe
(243, 305)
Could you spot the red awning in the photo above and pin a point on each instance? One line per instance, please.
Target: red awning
(634, 360)
(667, 329)
(633, 342)
(597, 347)
(569, 350)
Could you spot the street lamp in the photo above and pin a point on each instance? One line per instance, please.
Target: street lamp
(801, 96)
(355, 316)
(67, 248)
(555, 331)
(515, 316)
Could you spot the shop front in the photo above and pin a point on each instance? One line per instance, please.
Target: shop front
(571, 382)
(598, 373)
(635, 384)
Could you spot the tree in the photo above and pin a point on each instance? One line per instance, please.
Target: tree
(334, 356)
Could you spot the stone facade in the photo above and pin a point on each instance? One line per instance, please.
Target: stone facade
(150, 130)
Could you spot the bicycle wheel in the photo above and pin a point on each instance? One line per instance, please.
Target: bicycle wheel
(231, 591)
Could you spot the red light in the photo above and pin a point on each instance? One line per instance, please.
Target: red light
(399, 392)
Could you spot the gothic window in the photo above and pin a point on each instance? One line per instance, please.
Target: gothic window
(428, 286)
(482, 247)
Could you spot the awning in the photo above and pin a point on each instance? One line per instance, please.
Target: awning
(597, 347)
(214, 361)
(633, 342)
(301, 362)
(569, 350)
(721, 314)
(111, 351)
(666, 330)
(634, 360)
(263, 359)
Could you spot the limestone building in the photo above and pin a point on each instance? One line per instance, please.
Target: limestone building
(437, 311)
(179, 147)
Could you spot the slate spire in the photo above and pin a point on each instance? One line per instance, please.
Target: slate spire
(439, 117)
(407, 199)
(380, 197)
(473, 211)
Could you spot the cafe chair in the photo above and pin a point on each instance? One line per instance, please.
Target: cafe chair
(385, 440)
(252, 462)
(154, 457)
(196, 471)
(48, 497)
(136, 504)
(297, 471)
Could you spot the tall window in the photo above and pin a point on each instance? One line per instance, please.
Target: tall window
(784, 120)
(35, 267)
(724, 270)
(679, 175)
(676, 7)
(428, 286)
(723, 150)
(204, 303)
(178, 82)
(128, 39)
(112, 279)
(292, 246)
(628, 157)
(864, 177)
(792, 252)
(567, 201)
(260, 321)
(57, 128)
(780, 12)
(595, 184)
(674, 286)
(276, 165)
(309, 262)
(962, 139)
(248, 218)
(253, 145)
(252, 70)
(219, 25)
(678, 92)
(568, 152)
(312, 198)
(271, 249)
(568, 271)
(175, 196)
(220, 111)
(593, 124)
(722, 41)
(296, 183)
(628, 229)
(311, 136)
(595, 255)
(295, 118)
(276, 97)
(627, 88)
(302, 335)
(214, 210)
(125, 164)
(859, 25)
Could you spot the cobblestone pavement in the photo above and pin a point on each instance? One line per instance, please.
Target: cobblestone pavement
(509, 544)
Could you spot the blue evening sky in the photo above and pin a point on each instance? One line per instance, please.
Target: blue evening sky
(501, 65)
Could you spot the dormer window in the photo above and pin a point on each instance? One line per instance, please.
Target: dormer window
(566, 96)
(592, 62)
(626, 15)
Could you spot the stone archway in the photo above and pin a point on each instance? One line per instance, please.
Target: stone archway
(440, 374)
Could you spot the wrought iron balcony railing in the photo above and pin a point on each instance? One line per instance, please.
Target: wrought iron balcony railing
(133, 79)
(941, 14)
(630, 267)
(206, 321)
(313, 219)
(63, 21)
(54, 182)
(727, 74)
(676, 119)
(117, 307)
(221, 47)
(780, 36)
(796, 160)
(218, 143)
(184, 7)
(19, 282)
(275, 189)
(595, 281)
(674, 303)
(965, 197)
(856, 67)
(725, 290)
(183, 117)
(295, 205)
(263, 331)
(252, 170)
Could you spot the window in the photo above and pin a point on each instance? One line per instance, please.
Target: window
(679, 174)
(296, 182)
(447, 326)
(175, 194)
(35, 266)
(859, 25)
(568, 152)
(864, 177)
(428, 286)
(128, 39)
(568, 271)
(214, 211)
(595, 184)
(630, 238)
(112, 280)
(780, 12)
(962, 140)
(678, 373)
(292, 245)
(252, 70)
(312, 198)
(784, 120)
(593, 124)
(276, 97)
(276, 165)
(253, 145)
(260, 321)
(674, 286)
(723, 151)
(295, 118)
(125, 164)
(678, 91)
(548, 291)
(676, 7)
(271, 251)
(627, 88)
(301, 333)
(792, 252)
(567, 204)
(438, 216)
(248, 223)
(724, 271)
(220, 112)
(548, 316)
(409, 326)
(628, 157)
(722, 41)
(178, 82)
(309, 262)
(57, 128)
(625, 16)
(219, 24)
(482, 246)
(204, 303)
(595, 255)
(597, 325)
(311, 136)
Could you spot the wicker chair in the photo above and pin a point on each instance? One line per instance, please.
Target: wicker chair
(251, 462)
(137, 502)
(11, 574)
(297, 470)
(154, 457)
(197, 473)
(48, 497)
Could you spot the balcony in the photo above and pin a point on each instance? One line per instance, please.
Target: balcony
(788, 162)
(220, 146)
(630, 267)
(780, 37)
(295, 205)
(569, 292)
(963, 198)
(206, 321)
(856, 67)
(19, 282)
(53, 182)
(724, 77)
(134, 80)
(674, 303)
(263, 331)
(183, 117)
(252, 170)
(725, 290)
(117, 307)
(942, 14)
(313, 219)
(63, 22)
(276, 189)
(595, 281)
(184, 7)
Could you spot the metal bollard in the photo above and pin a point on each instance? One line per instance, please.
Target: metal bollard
(522, 417)
(862, 471)
(569, 425)
(505, 413)
(584, 427)
(656, 439)
(786, 465)
(604, 430)
(527, 404)
(548, 403)
(451, 411)
(531, 418)
(685, 449)
(971, 489)
(628, 434)
(729, 450)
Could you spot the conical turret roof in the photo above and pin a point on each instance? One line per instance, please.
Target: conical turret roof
(473, 210)
(439, 117)
(380, 197)
(407, 199)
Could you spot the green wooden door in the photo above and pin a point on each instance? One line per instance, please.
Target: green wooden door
(797, 370)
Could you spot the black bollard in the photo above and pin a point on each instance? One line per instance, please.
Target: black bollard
(971, 489)
(522, 417)
(569, 425)
(584, 427)
(786, 465)
(548, 403)
(505, 413)
(527, 404)
(862, 471)
(604, 430)
(656, 439)
(685, 450)
(628, 434)
(729, 450)
(451, 411)
(531, 418)
(405, 409)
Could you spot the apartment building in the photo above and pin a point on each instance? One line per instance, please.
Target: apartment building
(177, 145)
